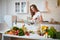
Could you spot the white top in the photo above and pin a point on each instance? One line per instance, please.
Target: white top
(37, 15)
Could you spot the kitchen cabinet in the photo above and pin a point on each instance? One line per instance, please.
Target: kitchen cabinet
(42, 5)
(0, 36)
(21, 7)
(15, 6)
(2, 10)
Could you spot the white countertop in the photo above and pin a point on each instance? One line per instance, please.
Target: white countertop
(30, 27)
(32, 36)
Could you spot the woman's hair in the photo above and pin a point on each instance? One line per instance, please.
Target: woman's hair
(35, 7)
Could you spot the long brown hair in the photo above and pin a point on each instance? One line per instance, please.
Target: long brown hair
(35, 7)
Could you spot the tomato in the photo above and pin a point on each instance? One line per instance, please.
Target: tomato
(18, 31)
(27, 33)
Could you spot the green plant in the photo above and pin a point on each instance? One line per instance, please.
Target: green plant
(52, 32)
(21, 32)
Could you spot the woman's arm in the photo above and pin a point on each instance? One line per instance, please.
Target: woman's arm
(41, 19)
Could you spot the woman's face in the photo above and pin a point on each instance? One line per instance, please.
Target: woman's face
(33, 9)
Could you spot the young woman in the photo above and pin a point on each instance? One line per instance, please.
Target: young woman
(35, 13)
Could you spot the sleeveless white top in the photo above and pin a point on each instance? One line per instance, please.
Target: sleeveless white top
(37, 15)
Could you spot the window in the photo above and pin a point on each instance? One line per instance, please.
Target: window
(21, 7)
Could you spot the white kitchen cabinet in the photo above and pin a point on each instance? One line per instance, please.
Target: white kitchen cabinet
(42, 5)
(21, 7)
(2, 10)
(14, 6)
(0, 36)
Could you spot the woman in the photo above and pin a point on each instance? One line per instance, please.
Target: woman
(35, 13)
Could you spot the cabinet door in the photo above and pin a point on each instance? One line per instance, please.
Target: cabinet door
(0, 36)
(16, 6)
(21, 7)
(42, 5)
(11, 7)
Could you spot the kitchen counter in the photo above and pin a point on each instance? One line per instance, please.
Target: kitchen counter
(31, 37)
(32, 27)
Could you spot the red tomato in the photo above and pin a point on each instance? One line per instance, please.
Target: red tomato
(27, 33)
(18, 31)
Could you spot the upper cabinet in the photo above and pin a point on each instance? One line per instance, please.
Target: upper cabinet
(42, 5)
(17, 6)
(22, 6)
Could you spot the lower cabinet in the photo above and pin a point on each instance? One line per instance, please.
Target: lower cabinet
(0, 36)
(12, 38)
